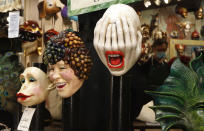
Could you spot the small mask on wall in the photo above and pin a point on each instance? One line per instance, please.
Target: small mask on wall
(118, 39)
(145, 32)
(49, 34)
(195, 35)
(48, 7)
(185, 27)
(199, 13)
(160, 35)
(30, 31)
(174, 34)
(35, 87)
(182, 11)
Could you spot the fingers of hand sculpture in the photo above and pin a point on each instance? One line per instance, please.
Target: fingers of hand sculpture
(108, 38)
(96, 34)
(139, 44)
(126, 33)
(103, 31)
(101, 43)
(132, 33)
(97, 31)
(121, 44)
(114, 38)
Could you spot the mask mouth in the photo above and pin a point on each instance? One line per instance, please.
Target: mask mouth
(22, 96)
(115, 59)
(60, 85)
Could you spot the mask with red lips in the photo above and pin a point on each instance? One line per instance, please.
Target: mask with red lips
(117, 38)
(35, 87)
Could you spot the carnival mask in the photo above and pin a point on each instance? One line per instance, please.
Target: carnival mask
(145, 32)
(195, 35)
(185, 27)
(48, 7)
(30, 31)
(64, 79)
(180, 49)
(117, 38)
(160, 35)
(69, 62)
(199, 13)
(182, 11)
(49, 34)
(174, 34)
(35, 87)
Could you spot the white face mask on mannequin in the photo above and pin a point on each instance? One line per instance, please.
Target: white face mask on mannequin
(117, 38)
(35, 87)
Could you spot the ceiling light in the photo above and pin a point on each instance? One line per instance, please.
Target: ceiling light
(167, 1)
(157, 2)
(147, 3)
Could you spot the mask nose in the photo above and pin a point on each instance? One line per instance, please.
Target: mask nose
(54, 75)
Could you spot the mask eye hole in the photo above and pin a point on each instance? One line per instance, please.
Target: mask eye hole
(31, 79)
(22, 80)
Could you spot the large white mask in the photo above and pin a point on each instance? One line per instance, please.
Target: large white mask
(35, 87)
(117, 38)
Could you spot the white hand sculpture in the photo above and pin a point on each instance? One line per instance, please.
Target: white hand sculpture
(117, 41)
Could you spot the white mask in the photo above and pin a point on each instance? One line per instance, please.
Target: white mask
(35, 87)
(117, 38)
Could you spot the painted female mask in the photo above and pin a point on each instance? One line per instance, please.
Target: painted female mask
(117, 38)
(68, 61)
(35, 87)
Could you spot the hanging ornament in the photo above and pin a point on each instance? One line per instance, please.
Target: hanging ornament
(199, 13)
(147, 3)
(195, 35)
(182, 11)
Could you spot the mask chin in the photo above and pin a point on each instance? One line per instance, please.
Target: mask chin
(121, 71)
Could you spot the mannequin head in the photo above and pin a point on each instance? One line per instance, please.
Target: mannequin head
(117, 38)
(68, 61)
(35, 87)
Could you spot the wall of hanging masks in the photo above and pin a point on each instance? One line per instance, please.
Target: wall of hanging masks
(172, 22)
